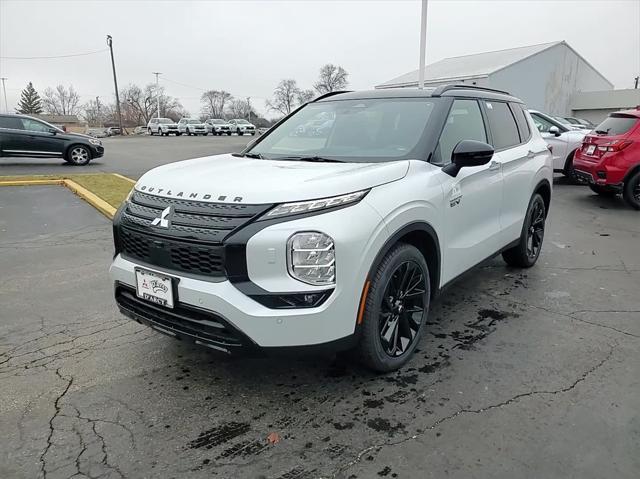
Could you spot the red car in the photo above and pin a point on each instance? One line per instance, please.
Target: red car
(609, 159)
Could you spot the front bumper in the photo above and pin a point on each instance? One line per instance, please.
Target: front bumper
(97, 151)
(332, 322)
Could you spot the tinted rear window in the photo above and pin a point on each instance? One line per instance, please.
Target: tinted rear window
(11, 122)
(521, 120)
(502, 124)
(616, 125)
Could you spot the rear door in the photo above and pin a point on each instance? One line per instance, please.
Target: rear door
(42, 139)
(12, 136)
(472, 199)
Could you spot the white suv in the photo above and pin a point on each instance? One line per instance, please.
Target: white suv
(337, 241)
(162, 127)
(242, 127)
(217, 126)
(192, 126)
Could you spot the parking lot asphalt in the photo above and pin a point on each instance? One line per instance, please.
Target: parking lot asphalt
(132, 155)
(521, 373)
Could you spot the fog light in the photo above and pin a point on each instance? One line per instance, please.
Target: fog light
(311, 258)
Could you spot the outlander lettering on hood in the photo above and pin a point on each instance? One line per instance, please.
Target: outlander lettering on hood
(191, 196)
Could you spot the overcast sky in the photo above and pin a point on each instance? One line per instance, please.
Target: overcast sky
(246, 47)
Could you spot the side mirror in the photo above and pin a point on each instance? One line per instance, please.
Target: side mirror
(53, 131)
(554, 130)
(468, 153)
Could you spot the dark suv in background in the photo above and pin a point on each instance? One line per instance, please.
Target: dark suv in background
(22, 135)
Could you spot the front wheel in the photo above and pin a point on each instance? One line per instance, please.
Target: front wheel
(150, 131)
(78, 155)
(526, 252)
(228, 133)
(396, 309)
(239, 132)
(631, 190)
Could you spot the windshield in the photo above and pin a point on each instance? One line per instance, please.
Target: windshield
(242, 122)
(367, 130)
(193, 122)
(616, 125)
(164, 121)
(216, 122)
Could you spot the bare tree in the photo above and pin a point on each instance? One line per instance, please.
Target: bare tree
(214, 102)
(139, 105)
(240, 109)
(332, 78)
(305, 96)
(94, 112)
(285, 97)
(61, 101)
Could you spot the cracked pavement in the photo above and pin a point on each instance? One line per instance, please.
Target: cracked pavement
(520, 374)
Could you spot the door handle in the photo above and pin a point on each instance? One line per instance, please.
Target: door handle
(494, 165)
(531, 154)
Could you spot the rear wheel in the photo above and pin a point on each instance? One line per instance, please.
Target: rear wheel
(396, 309)
(239, 132)
(228, 133)
(150, 131)
(631, 190)
(78, 155)
(602, 190)
(568, 171)
(526, 252)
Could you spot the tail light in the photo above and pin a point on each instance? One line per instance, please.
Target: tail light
(615, 145)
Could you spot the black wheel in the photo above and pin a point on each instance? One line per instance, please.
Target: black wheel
(239, 132)
(568, 171)
(396, 309)
(205, 134)
(602, 190)
(253, 134)
(526, 252)
(78, 155)
(178, 134)
(150, 131)
(228, 133)
(631, 190)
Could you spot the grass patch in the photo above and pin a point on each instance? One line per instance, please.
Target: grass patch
(108, 187)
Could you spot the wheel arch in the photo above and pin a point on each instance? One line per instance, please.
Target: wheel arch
(544, 189)
(71, 145)
(424, 237)
(632, 171)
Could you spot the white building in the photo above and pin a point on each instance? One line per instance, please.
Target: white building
(545, 76)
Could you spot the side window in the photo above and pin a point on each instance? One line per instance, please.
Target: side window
(32, 125)
(11, 122)
(541, 124)
(521, 120)
(463, 123)
(503, 125)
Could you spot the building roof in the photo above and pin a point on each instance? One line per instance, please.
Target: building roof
(478, 65)
(58, 118)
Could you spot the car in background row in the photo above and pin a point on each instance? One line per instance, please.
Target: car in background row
(242, 126)
(140, 130)
(192, 126)
(96, 132)
(162, 127)
(584, 124)
(609, 159)
(564, 141)
(218, 126)
(24, 136)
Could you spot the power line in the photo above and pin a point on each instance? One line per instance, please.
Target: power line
(56, 56)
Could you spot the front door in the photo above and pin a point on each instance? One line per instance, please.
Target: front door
(40, 140)
(472, 199)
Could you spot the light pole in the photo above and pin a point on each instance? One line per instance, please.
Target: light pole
(249, 107)
(4, 89)
(115, 83)
(423, 44)
(157, 74)
(98, 108)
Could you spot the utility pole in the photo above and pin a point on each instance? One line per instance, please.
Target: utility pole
(157, 74)
(4, 89)
(115, 83)
(635, 87)
(98, 108)
(423, 44)
(249, 107)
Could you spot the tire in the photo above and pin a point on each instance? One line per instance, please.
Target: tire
(228, 133)
(390, 282)
(239, 132)
(631, 190)
(603, 190)
(522, 255)
(188, 132)
(253, 134)
(150, 131)
(568, 171)
(178, 134)
(206, 134)
(78, 155)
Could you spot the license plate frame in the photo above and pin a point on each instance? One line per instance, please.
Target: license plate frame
(157, 288)
(591, 149)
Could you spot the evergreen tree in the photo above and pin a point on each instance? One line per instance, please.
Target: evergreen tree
(30, 101)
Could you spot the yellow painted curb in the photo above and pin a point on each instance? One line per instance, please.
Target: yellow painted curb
(29, 182)
(124, 178)
(95, 201)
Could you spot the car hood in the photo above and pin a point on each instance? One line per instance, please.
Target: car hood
(229, 179)
(77, 135)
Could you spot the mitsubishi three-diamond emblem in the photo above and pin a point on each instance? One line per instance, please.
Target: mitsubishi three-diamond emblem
(164, 220)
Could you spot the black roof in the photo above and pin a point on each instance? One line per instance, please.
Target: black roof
(464, 91)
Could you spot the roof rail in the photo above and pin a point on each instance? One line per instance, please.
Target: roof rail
(331, 93)
(460, 86)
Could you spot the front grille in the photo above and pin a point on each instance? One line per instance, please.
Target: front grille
(192, 240)
(183, 322)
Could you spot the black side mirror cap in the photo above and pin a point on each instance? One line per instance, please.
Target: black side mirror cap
(53, 131)
(468, 153)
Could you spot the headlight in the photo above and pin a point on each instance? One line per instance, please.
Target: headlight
(314, 205)
(95, 141)
(311, 258)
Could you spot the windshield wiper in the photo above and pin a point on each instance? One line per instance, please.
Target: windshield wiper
(257, 156)
(316, 159)
(602, 132)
